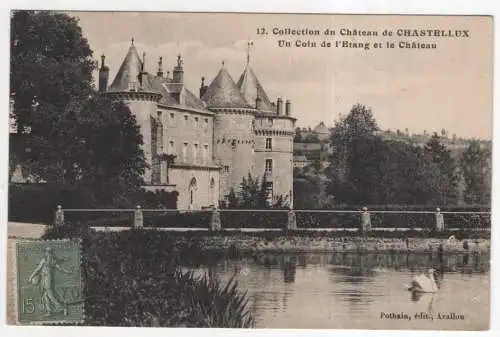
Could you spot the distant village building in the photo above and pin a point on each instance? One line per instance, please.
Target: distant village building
(321, 131)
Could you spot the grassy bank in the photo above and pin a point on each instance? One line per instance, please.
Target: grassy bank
(132, 278)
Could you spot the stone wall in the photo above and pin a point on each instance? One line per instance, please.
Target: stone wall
(234, 143)
(205, 191)
(192, 128)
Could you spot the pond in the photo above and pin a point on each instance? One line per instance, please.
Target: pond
(360, 291)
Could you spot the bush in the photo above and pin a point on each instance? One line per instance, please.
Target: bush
(132, 278)
(36, 203)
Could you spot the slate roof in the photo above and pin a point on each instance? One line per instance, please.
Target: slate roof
(321, 128)
(251, 88)
(128, 74)
(223, 93)
(173, 94)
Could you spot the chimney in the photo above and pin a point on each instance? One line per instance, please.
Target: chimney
(288, 108)
(279, 106)
(203, 87)
(103, 75)
(160, 67)
(178, 76)
(258, 103)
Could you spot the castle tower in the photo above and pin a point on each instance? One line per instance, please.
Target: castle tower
(133, 85)
(273, 132)
(233, 130)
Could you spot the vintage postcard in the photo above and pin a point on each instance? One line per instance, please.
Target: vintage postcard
(244, 170)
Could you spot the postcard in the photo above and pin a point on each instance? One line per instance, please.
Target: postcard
(250, 170)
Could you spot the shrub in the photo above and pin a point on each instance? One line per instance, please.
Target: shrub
(132, 278)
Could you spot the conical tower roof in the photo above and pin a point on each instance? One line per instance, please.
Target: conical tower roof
(223, 93)
(128, 75)
(250, 89)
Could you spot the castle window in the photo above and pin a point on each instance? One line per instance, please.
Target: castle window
(270, 121)
(186, 120)
(172, 119)
(171, 147)
(195, 152)
(205, 154)
(269, 143)
(196, 122)
(184, 152)
(205, 125)
(269, 165)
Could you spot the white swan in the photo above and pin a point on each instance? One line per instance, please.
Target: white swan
(424, 283)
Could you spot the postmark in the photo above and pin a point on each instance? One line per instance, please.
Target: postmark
(49, 282)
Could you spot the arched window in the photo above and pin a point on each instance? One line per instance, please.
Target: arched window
(192, 193)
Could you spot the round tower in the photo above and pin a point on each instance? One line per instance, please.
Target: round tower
(233, 131)
(273, 134)
(132, 85)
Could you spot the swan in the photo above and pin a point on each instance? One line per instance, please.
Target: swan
(424, 283)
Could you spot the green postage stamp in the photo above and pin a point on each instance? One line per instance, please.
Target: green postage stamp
(49, 282)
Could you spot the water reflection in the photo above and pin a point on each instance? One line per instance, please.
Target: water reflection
(289, 268)
(350, 290)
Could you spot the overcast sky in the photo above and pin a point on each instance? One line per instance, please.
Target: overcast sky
(449, 87)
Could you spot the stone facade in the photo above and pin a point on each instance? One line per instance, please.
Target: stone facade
(203, 146)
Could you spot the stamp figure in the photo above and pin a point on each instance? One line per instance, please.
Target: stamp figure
(49, 282)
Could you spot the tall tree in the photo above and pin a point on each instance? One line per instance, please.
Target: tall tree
(50, 66)
(359, 123)
(476, 170)
(76, 136)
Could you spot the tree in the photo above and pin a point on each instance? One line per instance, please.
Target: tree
(76, 137)
(442, 157)
(475, 166)
(50, 66)
(97, 145)
(253, 194)
(359, 123)
(387, 172)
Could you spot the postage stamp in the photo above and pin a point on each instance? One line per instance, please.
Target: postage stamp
(49, 282)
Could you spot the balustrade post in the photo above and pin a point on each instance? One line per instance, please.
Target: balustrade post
(439, 221)
(215, 224)
(138, 217)
(366, 222)
(292, 221)
(59, 217)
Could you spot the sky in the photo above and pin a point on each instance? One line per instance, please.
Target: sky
(449, 87)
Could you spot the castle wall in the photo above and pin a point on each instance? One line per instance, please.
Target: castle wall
(143, 109)
(274, 141)
(281, 155)
(188, 135)
(233, 145)
(205, 191)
